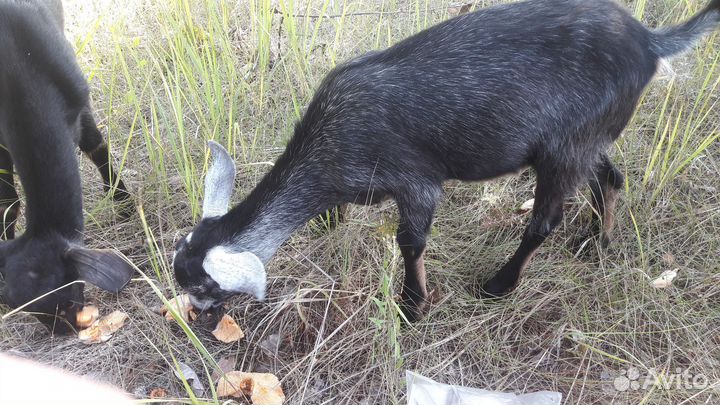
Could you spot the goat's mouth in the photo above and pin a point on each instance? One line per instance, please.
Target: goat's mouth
(204, 304)
(57, 315)
(62, 322)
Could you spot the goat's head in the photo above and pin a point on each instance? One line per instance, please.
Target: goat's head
(34, 266)
(207, 264)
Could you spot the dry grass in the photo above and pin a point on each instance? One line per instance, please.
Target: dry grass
(166, 77)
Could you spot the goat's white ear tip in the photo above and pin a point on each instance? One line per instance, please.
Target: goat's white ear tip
(217, 148)
(219, 152)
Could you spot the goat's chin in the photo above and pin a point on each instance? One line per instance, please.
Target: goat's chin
(203, 304)
(57, 325)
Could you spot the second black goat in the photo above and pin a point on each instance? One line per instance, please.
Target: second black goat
(44, 116)
(543, 83)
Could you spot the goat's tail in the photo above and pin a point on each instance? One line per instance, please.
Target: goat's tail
(674, 40)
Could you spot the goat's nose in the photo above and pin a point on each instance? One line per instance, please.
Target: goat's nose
(202, 304)
(57, 324)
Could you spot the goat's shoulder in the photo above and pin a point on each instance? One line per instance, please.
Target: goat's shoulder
(343, 88)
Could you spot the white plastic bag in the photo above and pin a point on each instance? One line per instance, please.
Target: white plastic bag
(424, 391)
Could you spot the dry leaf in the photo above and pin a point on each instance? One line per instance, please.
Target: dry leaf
(158, 393)
(182, 304)
(527, 205)
(271, 344)
(261, 388)
(85, 317)
(234, 384)
(665, 280)
(227, 330)
(102, 329)
(190, 376)
(226, 365)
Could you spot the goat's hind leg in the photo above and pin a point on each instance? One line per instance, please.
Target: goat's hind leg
(94, 146)
(416, 214)
(547, 214)
(9, 200)
(605, 185)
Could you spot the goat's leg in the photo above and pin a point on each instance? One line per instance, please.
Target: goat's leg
(9, 201)
(547, 214)
(605, 185)
(94, 146)
(416, 214)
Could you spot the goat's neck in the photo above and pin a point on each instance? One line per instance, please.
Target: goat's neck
(45, 159)
(287, 198)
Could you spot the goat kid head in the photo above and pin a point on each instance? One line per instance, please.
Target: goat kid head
(207, 262)
(32, 267)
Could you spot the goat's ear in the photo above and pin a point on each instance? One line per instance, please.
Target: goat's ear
(103, 268)
(238, 272)
(219, 182)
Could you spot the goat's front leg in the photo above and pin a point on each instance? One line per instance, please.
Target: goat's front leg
(94, 146)
(9, 201)
(547, 214)
(605, 186)
(416, 213)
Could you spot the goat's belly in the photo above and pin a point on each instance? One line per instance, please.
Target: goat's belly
(485, 175)
(485, 166)
(371, 197)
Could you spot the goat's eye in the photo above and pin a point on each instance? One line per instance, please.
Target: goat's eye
(183, 243)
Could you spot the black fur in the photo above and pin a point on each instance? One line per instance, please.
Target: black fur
(44, 114)
(548, 84)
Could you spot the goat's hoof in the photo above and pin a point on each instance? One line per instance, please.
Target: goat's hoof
(413, 311)
(495, 288)
(605, 241)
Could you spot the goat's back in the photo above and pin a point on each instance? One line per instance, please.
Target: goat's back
(38, 65)
(484, 94)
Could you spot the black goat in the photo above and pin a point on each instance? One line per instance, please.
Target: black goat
(542, 83)
(44, 115)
